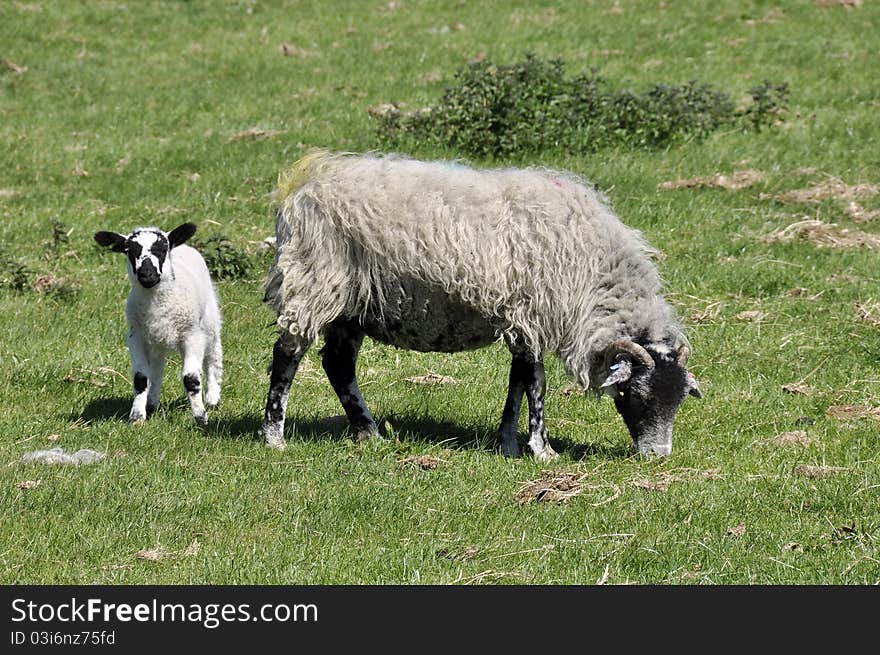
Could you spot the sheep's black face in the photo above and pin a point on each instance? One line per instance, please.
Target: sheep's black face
(647, 385)
(147, 249)
(648, 402)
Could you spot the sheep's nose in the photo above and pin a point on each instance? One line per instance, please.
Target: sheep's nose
(147, 275)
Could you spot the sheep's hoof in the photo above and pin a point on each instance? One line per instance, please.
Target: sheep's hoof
(511, 448)
(212, 400)
(134, 419)
(201, 420)
(547, 454)
(276, 444)
(365, 434)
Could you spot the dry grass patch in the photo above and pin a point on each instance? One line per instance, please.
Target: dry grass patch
(423, 462)
(752, 316)
(793, 438)
(817, 471)
(732, 182)
(737, 530)
(833, 188)
(861, 215)
(800, 388)
(662, 480)
(28, 484)
(160, 552)
(853, 412)
(254, 133)
(552, 487)
(823, 235)
(837, 3)
(868, 311)
(431, 378)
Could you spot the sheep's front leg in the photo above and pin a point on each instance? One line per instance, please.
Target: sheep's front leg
(520, 374)
(156, 368)
(286, 356)
(213, 372)
(140, 370)
(536, 387)
(193, 354)
(342, 342)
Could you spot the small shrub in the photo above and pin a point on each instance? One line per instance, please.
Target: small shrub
(225, 260)
(14, 274)
(498, 110)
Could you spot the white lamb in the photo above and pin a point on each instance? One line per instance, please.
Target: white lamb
(172, 307)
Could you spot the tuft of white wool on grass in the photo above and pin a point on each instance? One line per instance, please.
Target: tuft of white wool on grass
(172, 307)
(437, 256)
(59, 456)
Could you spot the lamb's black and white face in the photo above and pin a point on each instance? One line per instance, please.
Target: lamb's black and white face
(647, 396)
(147, 249)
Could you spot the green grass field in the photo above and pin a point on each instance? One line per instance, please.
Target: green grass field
(119, 114)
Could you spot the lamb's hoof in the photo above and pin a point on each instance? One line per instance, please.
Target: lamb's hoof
(546, 454)
(511, 449)
(273, 436)
(201, 420)
(135, 418)
(212, 399)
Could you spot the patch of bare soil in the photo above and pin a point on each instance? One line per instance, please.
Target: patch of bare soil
(853, 412)
(290, 50)
(823, 235)
(732, 182)
(552, 487)
(424, 462)
(833, 188)
(815, 472)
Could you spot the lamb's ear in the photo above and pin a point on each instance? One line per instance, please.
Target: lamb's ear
(619, 372)
(693, 386)
(181, 234)
(116, 242)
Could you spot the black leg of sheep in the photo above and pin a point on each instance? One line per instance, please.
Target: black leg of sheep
(526, 377)
(342, 342)
(286, 356)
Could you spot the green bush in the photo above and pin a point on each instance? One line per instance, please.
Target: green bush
(498, 110)
(225, 260)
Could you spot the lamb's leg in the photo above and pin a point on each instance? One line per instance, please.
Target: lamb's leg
(156, 368)
(213, 373)
(140, 370)
(193, 354)
(342, 342)
(286, 356)
(520, 372)
(535, 389)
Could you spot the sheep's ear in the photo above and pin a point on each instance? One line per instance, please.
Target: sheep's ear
(181, 234)
(693, 386)
(116, 242)
(619, 372)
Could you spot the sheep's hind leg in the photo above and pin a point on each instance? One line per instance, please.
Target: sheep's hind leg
(520, 374)
(286, 356)
(536, 387)
(213, 373)
(342, 342)
(193, 356)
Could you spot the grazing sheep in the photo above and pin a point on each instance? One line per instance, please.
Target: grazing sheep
(435, 256)
(172, 306)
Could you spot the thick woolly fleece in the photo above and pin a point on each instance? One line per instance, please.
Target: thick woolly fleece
(533, 255)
